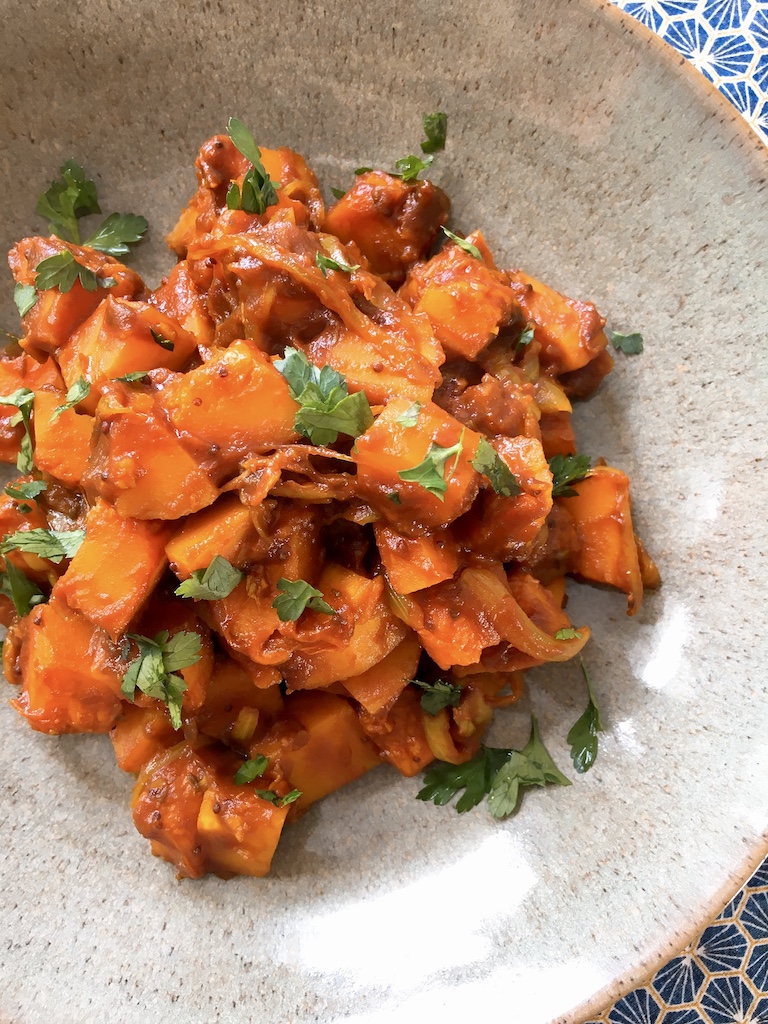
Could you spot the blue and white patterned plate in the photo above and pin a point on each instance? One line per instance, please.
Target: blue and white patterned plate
(727, 40)
(721, 977)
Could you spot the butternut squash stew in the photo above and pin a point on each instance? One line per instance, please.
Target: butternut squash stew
(307, 506)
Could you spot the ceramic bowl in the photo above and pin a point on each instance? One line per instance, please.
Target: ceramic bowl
(592, 157)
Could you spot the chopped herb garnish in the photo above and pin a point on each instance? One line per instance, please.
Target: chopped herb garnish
(278, 801)
(79, 390)
(25, 296)
(154, 670)
(338, 193)
(629, 344)
(362, 170)
(327, 263)
(438, 695)
(568, 633)
(410, 167)
(583, 734)
(296, 595)
(488, 462)
(69, 198)
(464, 244)
(431, 473)
(257, 191)
(55, 545)
(395, 498)
(62, 270)
(24, 594)
(213, 583)
(494, 772)
(567, 469)
(26, 490)
(442, 781)
(532, 766)
(410, 416)
(158, 339)
(251, 769)
(525, 338)
(117, 233)
(65, 202)
(23, 399)
(131, 378)
(435, 128)
(327, 408)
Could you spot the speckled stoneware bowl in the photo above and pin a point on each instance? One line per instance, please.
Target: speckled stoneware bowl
(593, 158)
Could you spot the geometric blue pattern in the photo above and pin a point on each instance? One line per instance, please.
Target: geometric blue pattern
(726, 40)
(722, 977)
(722, 947)
(754, 918)
(727, 1000)
(680, 981)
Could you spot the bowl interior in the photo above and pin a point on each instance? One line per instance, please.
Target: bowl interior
(591, 159)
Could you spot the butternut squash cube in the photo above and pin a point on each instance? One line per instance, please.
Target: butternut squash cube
(115, 569)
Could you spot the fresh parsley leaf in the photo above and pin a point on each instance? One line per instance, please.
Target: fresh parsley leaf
(154, 669)
(27, 490)
(338, 193)
(431, 473)
(362, 170)
(25, 296)
(395, 498)
(410, 416)
(117, 233)
(79, 390)
(435, 127)
(488, 462)
(213, 583)
(327, 408)
(55, 545)
(296, 595)
(567, 633)
(69, 198)
(410, 167)
(532, 766)
(251, 769)
(583, 734)
(131, 378)
(438, 695)
(525, 338)
(257, 191)
(464, 244)
(62, 270)
(499, 773)
(23, 399)
(566, 469)
(158, 339)
(181, 650)
(442, 781)
(327, 263)
(629, 344)
(24, 594)
(290, 798)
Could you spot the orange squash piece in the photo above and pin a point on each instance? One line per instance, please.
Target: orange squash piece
(391, 446)
(115, 569)
(63, 445)
(118, 339)
(237, 402)
(602, 513)
(68, 668)
(138, 463)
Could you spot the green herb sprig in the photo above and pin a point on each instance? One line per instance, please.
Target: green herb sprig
(327, 408)
(154, 671)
